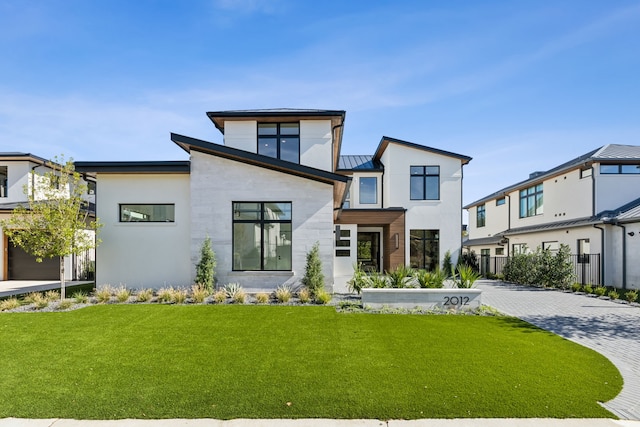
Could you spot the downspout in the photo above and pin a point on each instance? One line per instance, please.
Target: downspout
(508, 221)
(593, 193)
(624, 253)
(602, 250)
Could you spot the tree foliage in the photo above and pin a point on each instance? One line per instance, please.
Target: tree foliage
(205, 270)
(55, 220)
(541, 267)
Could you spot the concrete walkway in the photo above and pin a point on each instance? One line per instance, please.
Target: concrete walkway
(20, 287)
(612, 329)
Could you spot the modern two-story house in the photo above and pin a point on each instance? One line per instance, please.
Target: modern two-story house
(274, 187)
(20, 171)
(590, 203)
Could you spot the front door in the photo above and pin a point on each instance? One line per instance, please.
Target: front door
(369, 250)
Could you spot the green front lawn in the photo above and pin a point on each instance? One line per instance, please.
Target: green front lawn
(160, 361)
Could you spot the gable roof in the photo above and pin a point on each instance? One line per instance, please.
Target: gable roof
(11, 156)
(385, 141)
(606, 154)
(193, 144)
(359, 163)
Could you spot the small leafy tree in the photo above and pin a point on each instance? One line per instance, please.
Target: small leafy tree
(313, 278)
(205, 270)
(55, 222)
(447, 266)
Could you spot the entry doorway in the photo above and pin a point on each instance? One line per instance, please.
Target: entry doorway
(369, 251)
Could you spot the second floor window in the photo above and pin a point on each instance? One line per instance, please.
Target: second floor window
(481, 216)
(279, 140)
(425, 182)
(3, 181)
(368, 190)
(531, 201)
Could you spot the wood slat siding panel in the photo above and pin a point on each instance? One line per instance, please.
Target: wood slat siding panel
(392, 222)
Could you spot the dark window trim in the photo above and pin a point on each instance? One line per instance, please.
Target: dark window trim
(424, 176)
(524, 195)
(481, 216)
(501, 201)
(277, 137)
(422, 240)
(120, 205)
(262, 222)
(375, 202)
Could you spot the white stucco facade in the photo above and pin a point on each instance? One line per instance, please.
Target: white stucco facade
(217, 182)
(144, 254)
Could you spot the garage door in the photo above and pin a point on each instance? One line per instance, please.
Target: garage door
(23, 266)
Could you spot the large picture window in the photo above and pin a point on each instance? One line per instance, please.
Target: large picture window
(262, 236)
(147, 212)
(279, 140)
(620, 169)
(425, 249)
(425, 182)
(531, 201)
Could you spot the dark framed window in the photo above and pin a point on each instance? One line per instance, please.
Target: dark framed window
(368, 190)
(585, 173)
(279, 140)
(531, 201)
(501, 201)
(481, 216)
(620, 169)
(425, 183)
(147, 212)
(499, 251)
(518, 248)
(262, 236)
(4, 187)
(424, 252)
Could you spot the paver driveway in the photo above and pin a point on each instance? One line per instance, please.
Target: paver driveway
(612, 329)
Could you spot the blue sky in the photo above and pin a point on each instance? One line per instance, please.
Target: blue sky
(517, 85)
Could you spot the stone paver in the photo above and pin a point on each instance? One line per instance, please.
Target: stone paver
(612, 329)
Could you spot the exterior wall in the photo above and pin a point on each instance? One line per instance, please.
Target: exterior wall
(614, 268)
(444, 214)
(565, 197)
(216, 183)
(567, 237)
(355, 191)
(496, 219)
(613, 191)
(316, 148)
(315, 140)
(242, 135)
(17, 179)
(343, 266)
(143, 255)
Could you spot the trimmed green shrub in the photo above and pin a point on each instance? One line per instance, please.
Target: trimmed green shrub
(576, 287)
(631, 295)
(447, 266)
(313, 278)
(283, 293)
(322, 297)
(541, 267)
(304, 296)
(262, 298)
(9, 304)
(430, 279)
(205, 270)
(600, 290)
(401, 277)
(613, 294)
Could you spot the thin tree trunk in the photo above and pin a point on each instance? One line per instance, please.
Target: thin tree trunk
(62, 295)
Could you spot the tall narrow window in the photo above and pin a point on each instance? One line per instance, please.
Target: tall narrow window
(425, 182)
(424, 249)
(368, 190)
(3, 181)
(262, 236)
(531, 201)
(279, 140)
(481, 216)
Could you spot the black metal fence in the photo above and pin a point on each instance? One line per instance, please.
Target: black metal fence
(586, 267)
(84, 265)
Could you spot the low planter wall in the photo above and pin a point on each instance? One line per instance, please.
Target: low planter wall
(424, 298)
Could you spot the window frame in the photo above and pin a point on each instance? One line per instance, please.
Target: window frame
(526, 195)
(261, 221)
(424, 175)
(277, 137)
(422, 241)
(481, 216)
(121, 221)
(501, 201)
(375, 192)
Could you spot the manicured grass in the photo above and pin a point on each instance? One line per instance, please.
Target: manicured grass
(159, 361)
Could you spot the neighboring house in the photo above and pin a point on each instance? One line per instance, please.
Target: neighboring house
(15, 264)
(590, 203)
(276, 187)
